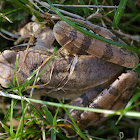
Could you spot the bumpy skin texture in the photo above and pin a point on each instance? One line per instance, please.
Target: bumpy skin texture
(92, 78)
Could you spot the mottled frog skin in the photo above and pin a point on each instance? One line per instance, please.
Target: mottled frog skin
(94, 80)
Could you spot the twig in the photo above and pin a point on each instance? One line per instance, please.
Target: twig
(5, 17)
(13, 96)
(93, 15)
(32, 89)
(21, 45)
(89, 6)
(5, 37)
(8, 33)
(36, 6)
(46, 5)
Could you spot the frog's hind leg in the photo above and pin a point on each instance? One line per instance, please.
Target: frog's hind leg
(123, 99)
(107, 98)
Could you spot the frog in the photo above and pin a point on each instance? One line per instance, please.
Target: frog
(89, 72)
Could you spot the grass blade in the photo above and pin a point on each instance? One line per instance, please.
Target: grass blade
(86, 13)
(118, 13)
(78, 131)
(21, 122)
(21, 4)
(52, 121)
(7, 115)
(11, 118)
(48, 115)
(38, 113)
(16, 63)
(129, 104)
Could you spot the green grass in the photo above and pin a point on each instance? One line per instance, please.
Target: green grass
(44, 123)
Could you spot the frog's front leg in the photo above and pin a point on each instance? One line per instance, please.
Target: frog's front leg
(114, 97)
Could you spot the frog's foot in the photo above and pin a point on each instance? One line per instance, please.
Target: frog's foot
(115, 97)
(43, 35)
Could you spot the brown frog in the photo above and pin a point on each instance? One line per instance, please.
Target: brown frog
(91, 69)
